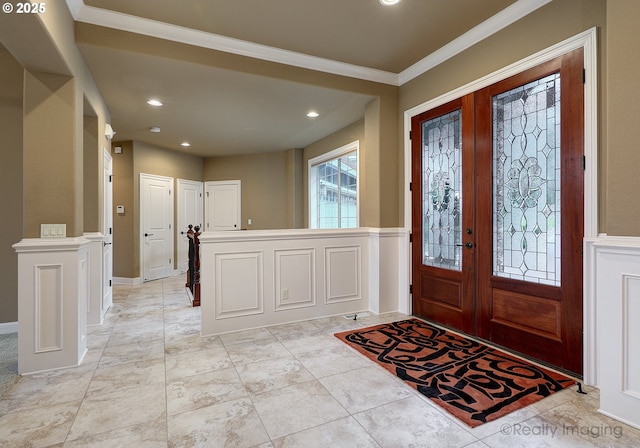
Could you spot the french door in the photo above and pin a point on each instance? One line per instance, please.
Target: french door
(497, 206)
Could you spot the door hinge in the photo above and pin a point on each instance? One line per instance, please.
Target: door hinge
(207, 194)
(169, 260)
(169, 192)
(110, 283)
(110, 177)
(410, 135)
(584, 163)
(169, 226)
(411, 237)
(410, 289)
(410, 186)
(584, 76)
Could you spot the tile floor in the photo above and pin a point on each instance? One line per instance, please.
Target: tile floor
(150, 380)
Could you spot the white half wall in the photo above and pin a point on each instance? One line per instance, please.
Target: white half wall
(253, 279)
(615, 291)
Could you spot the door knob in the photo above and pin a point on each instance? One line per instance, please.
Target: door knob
(106, 244)
(148, 234)
(468, 245)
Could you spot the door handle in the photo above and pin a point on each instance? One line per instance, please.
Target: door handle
(468, 245)
(148, 234)
(106, 244)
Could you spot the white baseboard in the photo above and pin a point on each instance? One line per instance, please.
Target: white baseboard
(127, 281)
(9, 327)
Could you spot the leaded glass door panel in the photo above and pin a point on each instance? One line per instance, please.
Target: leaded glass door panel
(443, 214)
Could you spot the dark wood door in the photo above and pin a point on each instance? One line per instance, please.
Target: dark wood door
(519, 283)
(530, 151)
(443, 214)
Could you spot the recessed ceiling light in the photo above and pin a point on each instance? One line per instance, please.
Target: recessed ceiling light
(153, 102)
(185, 144)
(313, 114)
(389, 2)
(154, 129)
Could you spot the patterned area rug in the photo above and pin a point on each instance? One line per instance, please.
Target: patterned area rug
(474, 382)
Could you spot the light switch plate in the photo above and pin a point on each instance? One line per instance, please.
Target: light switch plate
(48, 231)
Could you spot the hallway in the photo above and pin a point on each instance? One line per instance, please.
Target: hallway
(150, 380)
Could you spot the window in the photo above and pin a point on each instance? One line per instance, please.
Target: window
(333, 188)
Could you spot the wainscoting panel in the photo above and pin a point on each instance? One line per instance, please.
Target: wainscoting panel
(294, 278)
(239, 289)
(343, 269)
(304, 274)
(631, 335)
(48, 308)
(617, 319)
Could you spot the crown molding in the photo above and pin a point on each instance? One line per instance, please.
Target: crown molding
(161, 30)
(492, 25)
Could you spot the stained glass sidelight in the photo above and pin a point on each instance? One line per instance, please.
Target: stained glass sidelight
(442, 191)
(526, 173)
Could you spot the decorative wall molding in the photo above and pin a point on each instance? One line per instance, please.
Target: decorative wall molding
(239, 287)
(343, 269)
(294, 278)
(47, 331)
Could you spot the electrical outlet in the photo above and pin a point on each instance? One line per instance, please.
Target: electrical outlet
(285, 294)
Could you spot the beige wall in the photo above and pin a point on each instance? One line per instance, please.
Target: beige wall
(543, 28)
(92, 176)
(123, 227)
(264, 178)
(45, 167)
(622, 102)
(137, 158)
(11, 75)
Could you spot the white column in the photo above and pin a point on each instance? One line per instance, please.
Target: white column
(53, 283)
(95, 308)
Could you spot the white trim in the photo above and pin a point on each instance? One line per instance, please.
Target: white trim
(501, 20)
(588, 41)
(9, 327)
(127, 281)
(153, 28)
(322, 158)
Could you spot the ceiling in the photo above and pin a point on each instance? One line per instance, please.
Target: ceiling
(222, 109)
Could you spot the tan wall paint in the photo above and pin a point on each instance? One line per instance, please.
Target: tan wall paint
(623, 111)
(11, 78)
(264, 178)
(295, 201)
(123, 229)
(351, 133)
(541, 29)
(92, 178)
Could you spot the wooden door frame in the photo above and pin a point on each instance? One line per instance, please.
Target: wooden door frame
(588, 41)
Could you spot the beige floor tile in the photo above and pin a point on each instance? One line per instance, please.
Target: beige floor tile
(342, 433)
(256, 351)
(145, 435)
(296, 408)
(273, 374)
(332, 360)
(409, 423)
(127, 376)
(192, 363)
(232, 424)
(117, 410)
(40, 427)
(366, 388)
(206, 389)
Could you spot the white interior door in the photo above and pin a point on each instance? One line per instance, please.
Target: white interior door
(190, 205)
(156, 223)
(107, 230)
(223, 205)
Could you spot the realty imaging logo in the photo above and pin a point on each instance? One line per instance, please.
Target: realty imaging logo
(548, 430)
